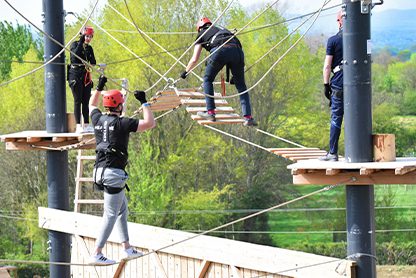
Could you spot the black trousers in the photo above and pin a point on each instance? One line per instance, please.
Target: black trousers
(81, 95)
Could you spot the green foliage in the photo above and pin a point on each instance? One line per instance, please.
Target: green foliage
(15, 42)
(206, 202)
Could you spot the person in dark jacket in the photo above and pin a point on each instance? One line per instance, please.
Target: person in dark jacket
(231, 54)
(79, 77)
(112, 137)
(334, 90)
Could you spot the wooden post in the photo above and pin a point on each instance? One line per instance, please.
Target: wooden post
(70, 118)
(384, 147)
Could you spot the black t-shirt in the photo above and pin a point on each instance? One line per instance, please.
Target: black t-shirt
(215, 37)
(86, 53)
(334, 48)
(112, 132)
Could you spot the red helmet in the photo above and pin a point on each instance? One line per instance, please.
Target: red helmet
(202, 22)
(113, 98)
(88, 31)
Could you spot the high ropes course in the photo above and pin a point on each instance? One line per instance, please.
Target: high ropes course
(171, 98)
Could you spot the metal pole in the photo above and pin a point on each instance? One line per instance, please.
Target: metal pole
(358, 133)
(55, 108)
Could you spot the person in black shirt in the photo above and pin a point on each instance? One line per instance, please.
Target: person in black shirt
(231, 54)
(112, 137)
(334, 90)
(79, 77)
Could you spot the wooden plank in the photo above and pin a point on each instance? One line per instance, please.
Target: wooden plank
(203, 269)
(89, 201)
(194, 95)
(222, 109)
(404, 170)
(84, 179)
(197, 102)
(294, 150)
(155, 260)
(120, 269)
(379, 177)
(300, 154)
(33, 139)
(221, 122)
(218, 116)
(332, 172)
(86, 157)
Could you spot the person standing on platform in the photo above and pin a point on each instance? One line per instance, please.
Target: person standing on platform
(231, 54)
(333, 89)
(79, 78)
(112, 137)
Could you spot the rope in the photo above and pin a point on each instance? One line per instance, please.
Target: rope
(54, 57)
(183, 54)
(274, 64)
(231, 37)
(280, 138)
(144, 35)
(60, 44)
(129, 50)
(238, 138)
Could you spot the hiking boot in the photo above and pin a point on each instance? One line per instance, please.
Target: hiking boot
(132, 253)
(207, 116)
(329, 157)
(99, 259)
(249, 122)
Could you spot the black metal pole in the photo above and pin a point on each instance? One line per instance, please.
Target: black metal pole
(358, 133)
(55, 108)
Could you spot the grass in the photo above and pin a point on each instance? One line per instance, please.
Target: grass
(303, 221)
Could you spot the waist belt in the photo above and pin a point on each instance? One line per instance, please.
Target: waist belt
(337, 69)
(229, 45)
(77, 67)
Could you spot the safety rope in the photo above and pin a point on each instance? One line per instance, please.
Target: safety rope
(129, 50)
(144, 35)
(190, 47)
(274, 64)
(280, 138)
(61, 45)
(54, 57)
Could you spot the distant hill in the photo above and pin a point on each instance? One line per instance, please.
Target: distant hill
(393, 29)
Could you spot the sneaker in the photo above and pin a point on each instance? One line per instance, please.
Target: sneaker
(78, 128)
(207, 116)
(132, 253)
(99, 259)
(329, 157)
(249, 122)
(88, 129)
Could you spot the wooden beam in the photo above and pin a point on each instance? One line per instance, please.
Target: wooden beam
(380, 177)
(404, 170)
(25, 146)
(157, 263)
(298, 171)
(222, 109)
(283, 150)
(120, 269)
(197, 102)
(366, 171)
(332, 172)
(203, 269)
(218, 117)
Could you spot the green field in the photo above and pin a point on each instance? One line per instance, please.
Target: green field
(301, 223)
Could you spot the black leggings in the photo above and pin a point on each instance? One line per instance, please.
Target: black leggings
(82, 96)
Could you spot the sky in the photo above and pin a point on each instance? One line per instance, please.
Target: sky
(32, 9)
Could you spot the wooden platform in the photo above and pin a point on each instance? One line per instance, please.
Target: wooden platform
(313, 171)
(41, 140)
(202, 256)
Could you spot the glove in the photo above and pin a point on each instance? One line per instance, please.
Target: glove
(184, 74)
(82, 39)
(327, 91)
(101, 82)
(232, 80)
(140, 96)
